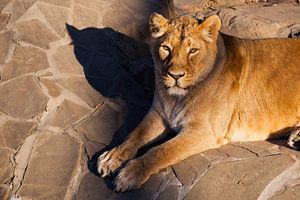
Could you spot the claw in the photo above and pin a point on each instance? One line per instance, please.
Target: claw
(294, 139)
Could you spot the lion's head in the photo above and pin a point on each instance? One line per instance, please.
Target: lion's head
(184, 50)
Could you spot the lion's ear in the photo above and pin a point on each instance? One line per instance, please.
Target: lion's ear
(210, 28)
(158, 25)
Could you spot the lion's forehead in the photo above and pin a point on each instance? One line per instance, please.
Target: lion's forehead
(176, 41)
(184, 21)
(182, 26)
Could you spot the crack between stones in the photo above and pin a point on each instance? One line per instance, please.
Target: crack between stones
(74, 184)
(19, 174)
(85, 137)
(169, 178)
(185, 190)
(21, 183)
(85, 118)
(247, 149)
(176, 176)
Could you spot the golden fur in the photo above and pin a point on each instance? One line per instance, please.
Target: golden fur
(211, 89)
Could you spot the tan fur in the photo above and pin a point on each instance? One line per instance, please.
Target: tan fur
(227, 89)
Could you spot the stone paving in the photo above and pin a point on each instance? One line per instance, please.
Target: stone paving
(68, 92)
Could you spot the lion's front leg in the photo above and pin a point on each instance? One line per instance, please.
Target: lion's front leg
(151, 127)
(186, 144)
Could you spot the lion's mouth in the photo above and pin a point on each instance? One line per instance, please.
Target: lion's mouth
(175, 87)
(176, 91)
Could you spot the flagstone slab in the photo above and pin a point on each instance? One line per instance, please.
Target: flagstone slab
(53, 89)
(22, 98)
(3, 3)
(84, 17)
(196, 164)
(3, 20)
(19, 8)
(66, 61)
(256, 21)
(64, 3)
(53, 162)
(289, 193)
(25, 60)
(66, 114)
(36, 33)
(6, 40)
(6, 167)
(93, 187)
(83, 89)
(101, 126)
(13, 132)
(56, 16)
(243, 179)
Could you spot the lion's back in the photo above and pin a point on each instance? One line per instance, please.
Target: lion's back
(269, 97)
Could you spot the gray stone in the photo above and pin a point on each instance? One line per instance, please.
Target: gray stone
(41, 192)
(6, 167)
(261, 148)
(3, 20)
(113, 20)
(260, 21)
(94, 4)
(83, 89)
(22, 98)
(52, 165)
(289, 193)
(214, 155)
(285, 14)
(52, 88)
(3, 3)
(92, 147)
(57, 17)
(236, 151)
(93, 187)
(13, 132)
(25, 60)
(36, 33)
(66, 114)
(4, 193)
(196, 165)
(84, 17)
(101, 126)
(66, 61)
(6, 39)
(65, 3)
(243, 179)
(191, 6)
(170, 193)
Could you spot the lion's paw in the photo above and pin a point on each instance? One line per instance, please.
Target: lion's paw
(294, 139)
(110, 161)
(131, 177)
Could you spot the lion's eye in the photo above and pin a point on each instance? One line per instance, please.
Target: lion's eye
(193, 50)
(165, 47)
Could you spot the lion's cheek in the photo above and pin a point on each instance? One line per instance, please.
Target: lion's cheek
(169, 82)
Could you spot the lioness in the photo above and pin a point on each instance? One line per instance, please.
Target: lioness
(211, 89)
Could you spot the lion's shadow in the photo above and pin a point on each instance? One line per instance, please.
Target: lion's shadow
(118, 67)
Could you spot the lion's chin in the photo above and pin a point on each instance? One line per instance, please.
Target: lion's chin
(177, 91)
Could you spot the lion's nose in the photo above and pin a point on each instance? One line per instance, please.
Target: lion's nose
(176, 75)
